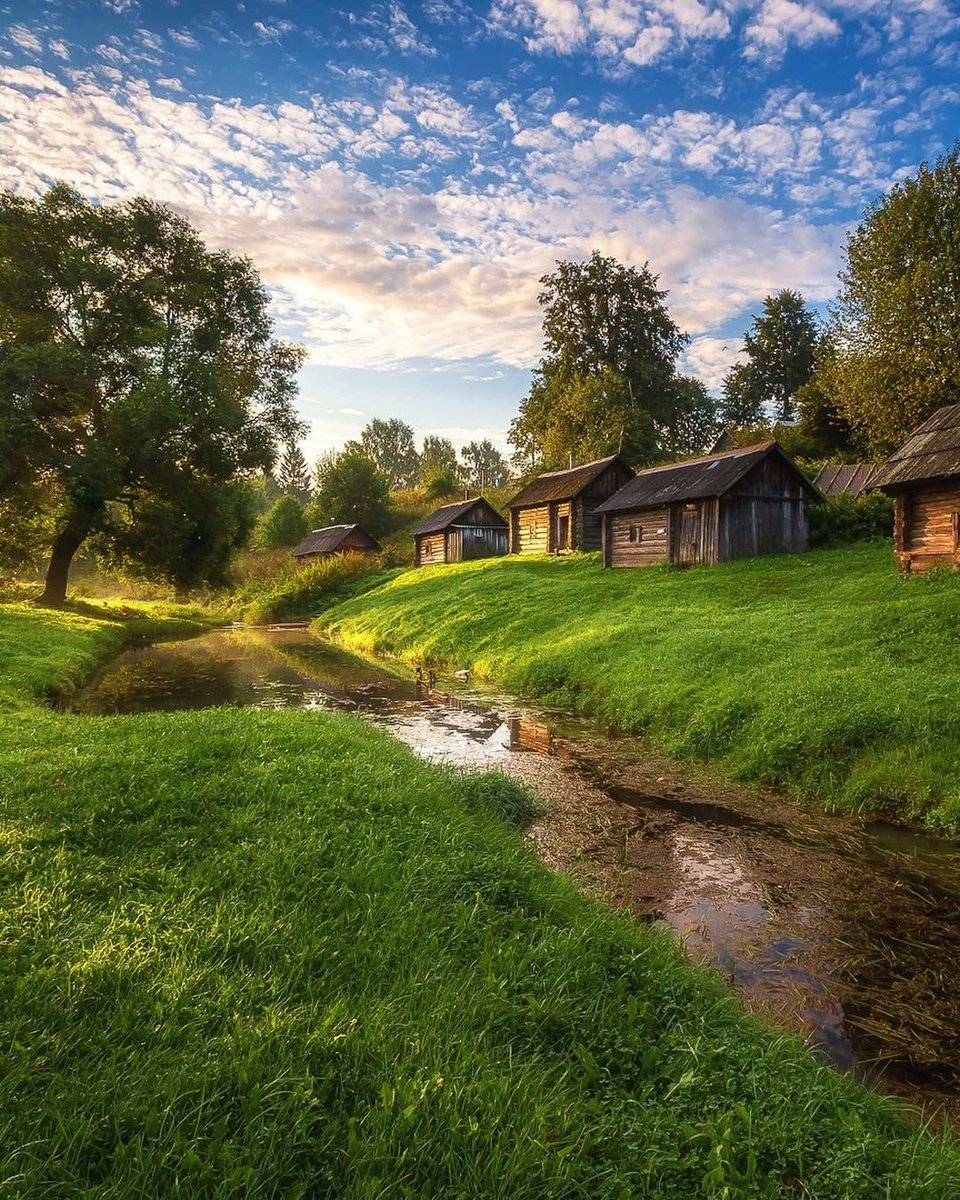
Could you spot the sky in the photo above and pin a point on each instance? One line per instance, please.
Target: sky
(402, 173)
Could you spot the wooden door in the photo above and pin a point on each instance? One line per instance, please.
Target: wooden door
(688, 548)
(563, 533)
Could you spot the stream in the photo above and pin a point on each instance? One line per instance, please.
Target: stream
(844, 930)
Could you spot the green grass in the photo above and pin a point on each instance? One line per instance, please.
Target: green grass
(827, 672)
(271, 953)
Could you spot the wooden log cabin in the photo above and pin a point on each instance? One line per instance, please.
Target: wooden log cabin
(337, 539)
(459, 532)
(923, 477)
(557, 511)
(744, 502)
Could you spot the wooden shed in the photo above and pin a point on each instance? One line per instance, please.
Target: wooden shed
(337, 539)
(923, 477)
(459, 532)
(741, 503)
(557, 512)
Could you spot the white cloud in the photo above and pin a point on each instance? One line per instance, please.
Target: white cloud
(25, 38)
(780, 22)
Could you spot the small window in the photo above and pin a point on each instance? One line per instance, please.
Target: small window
(636, 534)
(477, 534)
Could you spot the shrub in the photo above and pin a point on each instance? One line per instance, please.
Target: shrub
(284, 524)
(845, 519)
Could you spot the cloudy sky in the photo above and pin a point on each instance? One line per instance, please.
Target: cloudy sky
(403, 172)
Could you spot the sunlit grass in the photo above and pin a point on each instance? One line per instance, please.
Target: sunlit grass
(271, 953)
(828, 672)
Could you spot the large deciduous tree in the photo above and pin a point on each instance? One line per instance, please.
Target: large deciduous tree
(483, 466)
(609, 354)
(897, 319)
(350, 489)
(692, 421)
(780, 348)
(390, 447)
(140, 383)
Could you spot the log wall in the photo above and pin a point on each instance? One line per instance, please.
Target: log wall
(638, 539)
(927, 526)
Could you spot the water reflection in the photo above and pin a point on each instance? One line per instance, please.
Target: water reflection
(846, 932)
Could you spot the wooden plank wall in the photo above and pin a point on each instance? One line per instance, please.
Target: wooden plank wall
(481, 542)
(431, 549)
(586, 525)
(651, 544)
(929, 525)
(532, 530)
(765, 514)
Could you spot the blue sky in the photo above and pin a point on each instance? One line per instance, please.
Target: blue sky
(403, 172)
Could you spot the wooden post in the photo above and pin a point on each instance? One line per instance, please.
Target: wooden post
(604, 539)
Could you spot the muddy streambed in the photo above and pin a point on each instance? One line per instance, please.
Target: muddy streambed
(847, 931)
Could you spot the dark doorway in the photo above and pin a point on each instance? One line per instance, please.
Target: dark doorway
(563, 533)
(689, 544)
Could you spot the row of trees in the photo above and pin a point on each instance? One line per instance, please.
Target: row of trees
(886, 358)
(353, 484)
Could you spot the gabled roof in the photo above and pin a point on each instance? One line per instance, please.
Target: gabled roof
(563, 485)
(695, 479)
(449, 514)
(933, 452)
(324, 541)
(845, 479)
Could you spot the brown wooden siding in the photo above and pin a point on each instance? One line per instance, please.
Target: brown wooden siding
(476, 542)
(638, 539)
(431, 549)
(927, 525)
(765, 513)
(586, 523)
(531, 530)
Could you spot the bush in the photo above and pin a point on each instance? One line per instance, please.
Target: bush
(307, 590)
(284, 524)
(845, 519)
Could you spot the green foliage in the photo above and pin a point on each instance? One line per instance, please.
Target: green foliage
(351, 490)
(441, 485)
(780, 349)
(845, 519)
(484, 467)
(293, 474)
(828, 672)
(306, 591)
(691, 424)
(390, 447)
(140, 381)
(271, 953)
(897, 317)
(284, 524)
(438, 459)
(607, 369)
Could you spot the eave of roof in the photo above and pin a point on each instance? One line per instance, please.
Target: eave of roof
(931, 452)
(562, 485)
(695, 479)
(448, 514)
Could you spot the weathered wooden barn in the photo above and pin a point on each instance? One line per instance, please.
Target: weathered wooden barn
(337, 539)
(458, 532)
(743, 502)
(923, 477)
(557, 512)
(846, 479)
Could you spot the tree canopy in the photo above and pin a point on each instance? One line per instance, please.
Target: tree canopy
(390, 446)
(483, 466)
(605, 378)
(780, 348)
(350, 490)
(293, 474)
(140, 383)
(283, 524)
(897, 318)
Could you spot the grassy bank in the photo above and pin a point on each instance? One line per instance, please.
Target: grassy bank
(828, 672)
(271, 953)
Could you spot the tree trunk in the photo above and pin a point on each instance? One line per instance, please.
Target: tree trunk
(65, 546)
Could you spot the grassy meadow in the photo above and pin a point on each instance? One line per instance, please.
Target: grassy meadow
(272, 953)
(827, 672)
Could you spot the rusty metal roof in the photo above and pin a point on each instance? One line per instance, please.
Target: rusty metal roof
(933, 452)
(325, 541)
(846, 479)
(449, 514)
(695, 479)
(563, 485)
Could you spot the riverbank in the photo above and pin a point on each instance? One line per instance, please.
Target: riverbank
(271, 952)
(827, 673)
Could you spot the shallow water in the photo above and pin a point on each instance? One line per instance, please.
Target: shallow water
(846, 931)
